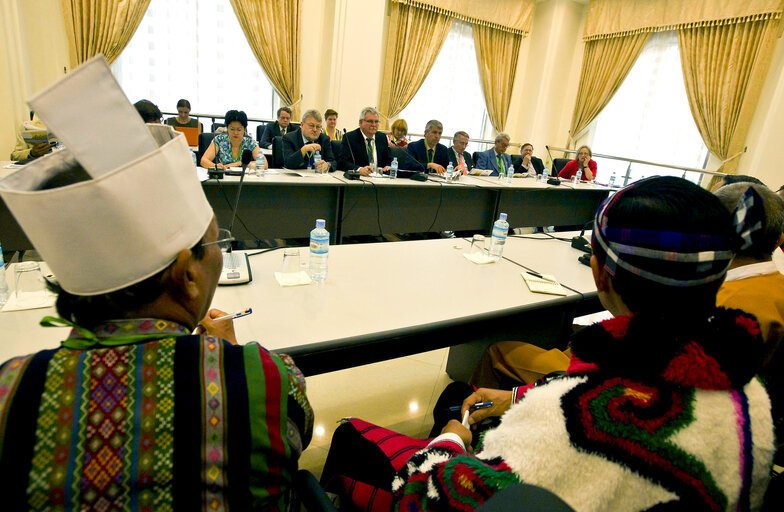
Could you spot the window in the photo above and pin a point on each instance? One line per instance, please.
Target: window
(197, 51)
(649, 118)
(452, 92)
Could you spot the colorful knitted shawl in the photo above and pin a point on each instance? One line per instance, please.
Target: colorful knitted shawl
(182, 422)
(648, 413)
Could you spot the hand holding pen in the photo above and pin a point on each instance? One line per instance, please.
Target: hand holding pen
(484, 403)
(219, 323)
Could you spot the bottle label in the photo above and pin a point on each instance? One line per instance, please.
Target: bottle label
(319, 246)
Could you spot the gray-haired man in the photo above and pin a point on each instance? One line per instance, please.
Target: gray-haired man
(299, 147)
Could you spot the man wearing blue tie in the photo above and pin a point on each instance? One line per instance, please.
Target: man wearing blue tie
(495, 158)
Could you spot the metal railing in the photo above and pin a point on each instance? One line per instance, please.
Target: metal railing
(627, 176)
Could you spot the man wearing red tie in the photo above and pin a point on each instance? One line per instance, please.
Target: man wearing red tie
(459, 157)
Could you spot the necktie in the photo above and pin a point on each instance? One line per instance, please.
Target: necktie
(311, 157)
(500, 164)
(370, 150)
(461, 159)
(429, 156)
(283, 131)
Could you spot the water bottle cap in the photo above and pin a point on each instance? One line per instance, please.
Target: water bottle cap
(502, 216)
(317, 152)
(320, 223)
(394, 159)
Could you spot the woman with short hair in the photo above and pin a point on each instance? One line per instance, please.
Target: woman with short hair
(397, 134)
(331, 128)
(229, 146)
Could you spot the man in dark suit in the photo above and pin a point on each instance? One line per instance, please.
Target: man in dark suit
(495, 157)
(365, 148)
(278, 128)
(459, 157)
(299, 147)
(428, 151)
(531, 165)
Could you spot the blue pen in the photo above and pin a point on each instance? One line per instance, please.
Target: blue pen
(478, 405)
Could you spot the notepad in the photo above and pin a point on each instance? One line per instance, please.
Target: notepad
(546, 284)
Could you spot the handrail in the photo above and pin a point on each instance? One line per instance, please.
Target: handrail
(635, 161)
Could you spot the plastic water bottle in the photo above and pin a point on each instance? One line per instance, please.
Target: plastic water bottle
(316, 160)
(500, 229)
(577, 177)
(450, 171)
(393, 169)
(319, 251)
(510, 175)
(3, 283)
(612, 181)
(260, 164)
(545, 175)
(193, 155)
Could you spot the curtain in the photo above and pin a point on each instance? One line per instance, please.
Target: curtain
(613, 18)
(513, 16)
(723, 69)
(606, 62)
(414, 38)
(272, 30)
(101, 26)
(496, 56)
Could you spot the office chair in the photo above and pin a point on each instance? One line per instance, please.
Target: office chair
(215, 127)
(260, 131)
(277, 153)
(558, 164)
(204, 142)
(337, 152)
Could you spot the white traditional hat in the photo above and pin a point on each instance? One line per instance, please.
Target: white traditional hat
(143, 205)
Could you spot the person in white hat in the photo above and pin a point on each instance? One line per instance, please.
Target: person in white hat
(132, 411)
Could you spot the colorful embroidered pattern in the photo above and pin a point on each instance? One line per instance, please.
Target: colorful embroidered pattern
(632, 424)
(214, 416)
(10, 374)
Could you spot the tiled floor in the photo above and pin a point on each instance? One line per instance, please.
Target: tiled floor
(397, 394)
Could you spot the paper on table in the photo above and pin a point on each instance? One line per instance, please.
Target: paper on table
(479, 259)
(292, 278)
(14, 304)
(545, 284)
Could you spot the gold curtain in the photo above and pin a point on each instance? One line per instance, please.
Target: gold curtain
(272, 30)
(606, 62)
(496, 55)
(613, 18)
(414, 38)
(513, 16)
(724, 67)
(101, 26)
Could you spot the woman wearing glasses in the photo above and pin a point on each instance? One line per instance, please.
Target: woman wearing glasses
(226, 149)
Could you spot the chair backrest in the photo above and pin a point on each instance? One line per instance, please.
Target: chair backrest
(517, 162)
(204, 141)
(215, 126)
(475, 157)
(277, 153)
(337, 152)
(558, 164)
(260, 131)
(524, 497)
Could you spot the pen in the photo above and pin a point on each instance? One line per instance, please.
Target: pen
(478, 405)
(540, 276)
(238, 314)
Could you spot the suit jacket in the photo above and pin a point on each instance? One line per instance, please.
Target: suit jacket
(466, 158)
(272, 130)
(354, 151)
(487, 160)
(292, 156)
(537, 163)
(418, 151)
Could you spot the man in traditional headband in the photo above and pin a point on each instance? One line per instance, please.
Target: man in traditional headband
(132, 411)
(657, 407)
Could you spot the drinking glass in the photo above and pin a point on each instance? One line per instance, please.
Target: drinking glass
(478, 245)
(290, 260)
(29, 284)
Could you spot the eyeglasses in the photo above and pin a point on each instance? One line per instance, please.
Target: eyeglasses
(224, 240)
(374, 121)
(313, 126)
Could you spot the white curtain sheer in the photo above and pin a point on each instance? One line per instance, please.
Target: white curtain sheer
(649, 118)
(194, 50)
(451, 92)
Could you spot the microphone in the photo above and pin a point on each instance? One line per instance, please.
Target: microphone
(580, 243)
(215, 173)
(247, 157)
(350, 174)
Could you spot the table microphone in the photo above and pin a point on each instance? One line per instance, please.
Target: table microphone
(215, 173)
(350, 174)
(247, 158)
(580, 242)
(236, 268)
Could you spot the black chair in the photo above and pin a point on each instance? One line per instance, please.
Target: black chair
(260, 131)
(205, 139)
(517, 162)
(524, 497)
(337, 152)
(215, 126)
(475, 156)
(558, 164)
(277, 153)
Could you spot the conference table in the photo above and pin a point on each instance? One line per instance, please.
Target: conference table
(285, 205)
(385, 300)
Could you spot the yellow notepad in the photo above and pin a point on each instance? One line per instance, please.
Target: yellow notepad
(545, 284)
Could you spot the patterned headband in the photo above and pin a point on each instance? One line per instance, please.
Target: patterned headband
(665, 257)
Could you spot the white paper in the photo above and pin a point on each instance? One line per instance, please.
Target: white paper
(479, 259)
(293, 278)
